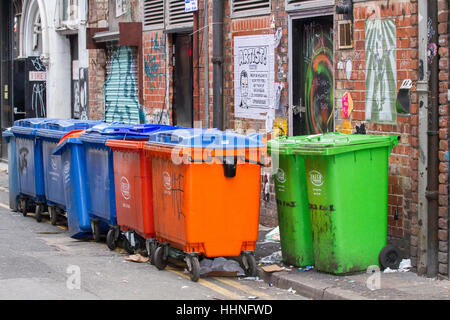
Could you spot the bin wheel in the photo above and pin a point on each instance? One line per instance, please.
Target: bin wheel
(151, 254)
(249, 264)
(53, 215)
(95, 226)
(127, 246)
(38, 212)
(23, 207)
(111, 239)
(159, 259)
(194, 268)
(390, 257)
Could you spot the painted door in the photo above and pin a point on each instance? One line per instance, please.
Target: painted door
(313, 95)
(183, 81)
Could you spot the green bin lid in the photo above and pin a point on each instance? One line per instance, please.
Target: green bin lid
(331, 143)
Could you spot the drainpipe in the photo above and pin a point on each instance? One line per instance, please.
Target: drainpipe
(217, 61)
(206, 72)
(448, 137)
(422, 95)
(432, 192)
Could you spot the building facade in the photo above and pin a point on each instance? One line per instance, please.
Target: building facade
(282, 67)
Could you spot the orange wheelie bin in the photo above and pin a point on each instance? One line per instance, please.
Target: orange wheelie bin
(133, 195)
(206, 196)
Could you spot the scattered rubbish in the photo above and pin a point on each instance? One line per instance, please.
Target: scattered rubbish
(252, 279)
(184, 287)
(137, 258)
(307, 268)
(273, 268)
(291, 290)
(273, 235)
(125, 281)
(274, 258)
(351, 281)
(404, 266)
(220, 267)
(270, 284)
(253, 297)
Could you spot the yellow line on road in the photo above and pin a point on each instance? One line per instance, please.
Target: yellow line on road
(227, 293)
(4, 206)
(245, 288)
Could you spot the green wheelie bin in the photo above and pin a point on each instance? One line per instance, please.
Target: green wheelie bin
(292, 202)
(347, 182)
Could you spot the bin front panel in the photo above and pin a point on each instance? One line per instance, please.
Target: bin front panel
(198, 209)
(293, 211)
(53, 180)
(133, 189)
(348, 206)
(25, 161)
(13, 179)
(100, 180)
(75, 191)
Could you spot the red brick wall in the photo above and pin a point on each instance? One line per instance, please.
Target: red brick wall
(157, 70)
(402, 190)
(98, 12)
(443, 54)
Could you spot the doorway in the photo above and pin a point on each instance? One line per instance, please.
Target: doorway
(183, 81)
(312, 75)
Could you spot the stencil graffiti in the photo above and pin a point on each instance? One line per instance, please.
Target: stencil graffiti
(154, 70)
(121, 91)
(80, 107)
(23, 162)
(381, 71)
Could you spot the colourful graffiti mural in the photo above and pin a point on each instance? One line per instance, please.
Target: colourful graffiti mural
(121, 91)
(319, 79)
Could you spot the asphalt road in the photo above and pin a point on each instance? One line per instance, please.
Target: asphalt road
(40, 261)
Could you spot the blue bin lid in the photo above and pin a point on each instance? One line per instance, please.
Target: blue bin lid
(101, 133)
(56, 129)
(32, 122)
(207, 139)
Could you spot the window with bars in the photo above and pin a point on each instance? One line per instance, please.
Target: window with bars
(153, 13)
(250, 7)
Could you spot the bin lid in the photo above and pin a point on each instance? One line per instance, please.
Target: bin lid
(33, 122)
(101, 133)
(207, 139)
(58, 128)
(331, 143)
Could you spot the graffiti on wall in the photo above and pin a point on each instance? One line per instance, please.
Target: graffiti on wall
(158, 116)
(81, 97)
(121, 89)
(381, 71)
(37, 87)
(318, 61)
(154, 70)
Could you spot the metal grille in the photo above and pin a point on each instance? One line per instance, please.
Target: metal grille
(176, 13)
(250, 6)
(153, 12)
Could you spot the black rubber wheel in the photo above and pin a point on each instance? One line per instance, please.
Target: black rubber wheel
(159, 260)
(127, 246)
(111, 239)
(194, 271)
(24, 207)
(390, 257)
(153, 247)
(53, 215)
(95, 225)
(38, 212)
(249, 265)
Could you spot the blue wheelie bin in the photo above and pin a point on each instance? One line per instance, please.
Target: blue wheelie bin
(30, 166)
(13, 178)
(89, 176)
(51, 133)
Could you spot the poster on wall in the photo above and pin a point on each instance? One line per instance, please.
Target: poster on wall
(253, 76)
